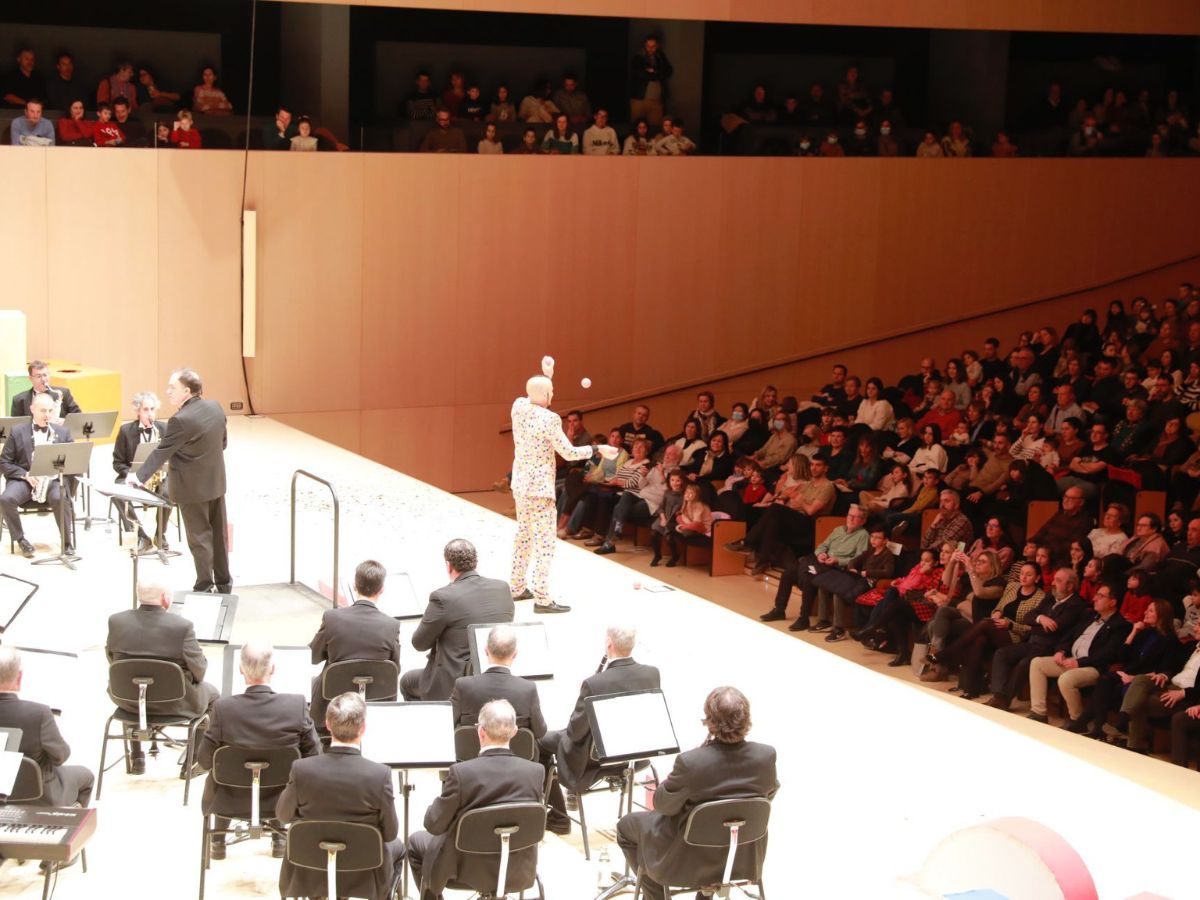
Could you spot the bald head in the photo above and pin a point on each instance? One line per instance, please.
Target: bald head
(151, 593)
(257, 662)
(540, 390)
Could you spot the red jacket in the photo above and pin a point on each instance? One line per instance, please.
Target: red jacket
(106, 134)
(188, 140)
(70, 130)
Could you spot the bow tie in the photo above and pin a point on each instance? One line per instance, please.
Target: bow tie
(43, 429)
(146, 432)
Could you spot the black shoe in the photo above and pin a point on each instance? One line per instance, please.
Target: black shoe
(672, 562)
(526, 594)
(1076, 726)
(278, 846)
(550, 607)
(605, 549)
(822, 625)
(26, 548)
(801, 624)
(197, 771)
(144, 545)
(216, 848)
(838, 634)
(773, 615)
(1038, 717)
(163, 545)
(69, 548)
(999, 701)
(558, 826)
(655, 561)
(902, 659)
(137, 765)
(736, 547)
(760, 568)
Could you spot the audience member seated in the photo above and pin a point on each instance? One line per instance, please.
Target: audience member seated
(570, 749)
(640, 428)
(472, 692)
(149, 632)
(303, 140)
(573, 103)
(61, 88)
(676, 143)
(502, 109)
(930, 148)
(1070, 523)
(1162, 695)
(490, 144)
(931, 454)
(561, 139)
(73, 129)
(184, 134)
(445, 138)
(957, 141)
(421, 103)
(149, 94)
(41, 741)
(786, 528)
(725, 767)
(643, 503)
(594, 511)
(207, 98)
(952, 620)
(454, 96)
(468, 599)
(638, 143)
(1150, 646)
(600, 139)
(853, 98)
(118, 84)
(133, 129)
(537, 108)
(529, 145)
(692, 523)
(341, 786)
(23, 82)
(256, 719)
(31, 129)
(949, 524)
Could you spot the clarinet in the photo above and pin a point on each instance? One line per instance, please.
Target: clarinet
(603, 663)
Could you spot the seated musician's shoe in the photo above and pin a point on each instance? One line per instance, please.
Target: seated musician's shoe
(163, 544)
(594, 541)
(1038, 717)
(137, 764)
(278, 846)
(559, 825)
(216, 847)
(759, 569)
(26, 548)
(822, 625)
(197, 771)
(144, 545)
(837, 634)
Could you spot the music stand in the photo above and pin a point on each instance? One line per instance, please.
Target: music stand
(134, 495)
(533, 649)
(294, 671)
(12, 739)
(625, 728)
(10, 768)
(59, 461)
(89, 427)
(211, 615)
(14, 594)
(49, 676)
(398, 599)
(407, 736)
(8, 422)
(140, 455)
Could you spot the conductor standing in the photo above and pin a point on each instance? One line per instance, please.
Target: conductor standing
(195, 446)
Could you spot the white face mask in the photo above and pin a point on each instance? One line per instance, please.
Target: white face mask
(860, 132)
(833, 139)
(1088, 129)
(804, 145)
(886, 129)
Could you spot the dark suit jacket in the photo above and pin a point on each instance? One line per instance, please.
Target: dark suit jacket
(128, 438)
(471, 692)
(358, 631)
(495, 776)
(468, 600)
(153, 632)
(17, 455)
(22, 402)
(1106, 645)
(195, 446)
(339, 785)
(576, 768)
(257, 719)
(1066, 614)
(41, 741)
(712, 772)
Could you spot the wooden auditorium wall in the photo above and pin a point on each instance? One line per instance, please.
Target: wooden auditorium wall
(404, 299)
(1119, 16)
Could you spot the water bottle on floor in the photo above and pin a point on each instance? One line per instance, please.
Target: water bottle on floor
(603, 869)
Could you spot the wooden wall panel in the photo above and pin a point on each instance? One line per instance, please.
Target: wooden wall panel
(101, 260)
(23, 243)
(418, 442)
(343, 427)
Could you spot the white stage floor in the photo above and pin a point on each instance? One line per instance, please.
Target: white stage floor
(874, 771)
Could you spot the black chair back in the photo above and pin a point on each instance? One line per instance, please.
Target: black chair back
(466, 743)
(234, 766)
(477, 830)
(375, 679)
(709, 824)
(28, 787)
(363, 845)
(163, 680)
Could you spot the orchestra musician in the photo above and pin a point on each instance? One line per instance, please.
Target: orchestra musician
(39, 374)
(21, 488)
(142, 430)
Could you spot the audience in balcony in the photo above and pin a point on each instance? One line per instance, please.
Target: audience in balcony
(32, 129)
(61, 88)
(207, 97)
(23, 82)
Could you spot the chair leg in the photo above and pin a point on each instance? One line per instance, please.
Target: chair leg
(191, 749)
(103, 756)
(203, 854)
(83, 860)
(587, 851)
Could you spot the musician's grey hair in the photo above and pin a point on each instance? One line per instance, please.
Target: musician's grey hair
(498, 720)
(41, 400)
(150, 593)
(10, 666)
(256, 660)
(460, 554)
(345, 716)
(623, 638)
(502, 643)
(145, 398)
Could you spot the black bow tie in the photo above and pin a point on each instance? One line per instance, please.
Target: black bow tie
(146, 432)
(43, 429)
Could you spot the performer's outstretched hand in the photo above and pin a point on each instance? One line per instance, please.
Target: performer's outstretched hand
(548, 366)
(608, 451)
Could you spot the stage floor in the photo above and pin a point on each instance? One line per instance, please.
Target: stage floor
(875, 771)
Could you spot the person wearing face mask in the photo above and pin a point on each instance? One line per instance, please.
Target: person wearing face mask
(735, 426)
(1087, 140)
(831, 146)
(860, 143)
(886, 144)
(805, 146)
(756, 433)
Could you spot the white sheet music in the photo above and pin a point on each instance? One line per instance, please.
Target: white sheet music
(49, 677)
(409, 735)
(398, 600)
(635, 724)
(10, 765)
(202, 610)
(533, 649)
(13, 592)
(294, 670)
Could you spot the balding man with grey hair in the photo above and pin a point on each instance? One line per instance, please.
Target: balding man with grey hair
(143, 429)
(41, 741)
(472, 692)
(572, 746)
(537, 436)
(495, 776)
(469, 599)
(150, 632)
(258, 718)
(342, 786)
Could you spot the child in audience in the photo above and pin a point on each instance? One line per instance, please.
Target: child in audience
(693, 523)
(162, 135)
(638, 143)
(106, 132)
(1137, 596)
(1091, 579)
(303, 140)
(490, 145)
(672, 501)
(473, 106)
(1191, 614)
(529, 144)
(1044, 560)
(183, 135)
(502, 109)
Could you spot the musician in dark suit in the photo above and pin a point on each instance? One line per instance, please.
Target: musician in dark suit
(194, 445)
(41, 740)
(469, 599)
(341, 786)
(358, 631)
(15, 461)
(572, 747)
(256, 719)
(495, 776)
(150, 631)
(726, 767)
(142, 430)
(39, 374)
(497, 682)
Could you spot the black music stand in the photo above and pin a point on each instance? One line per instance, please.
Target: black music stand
(134, 495)
(14, 594)
(59, 461)
(90, 427)
(211, 615)
(140, 455)
(403, 736)
(8, 422)
(628, 727)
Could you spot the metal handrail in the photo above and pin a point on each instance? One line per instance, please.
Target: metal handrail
(336, 527)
